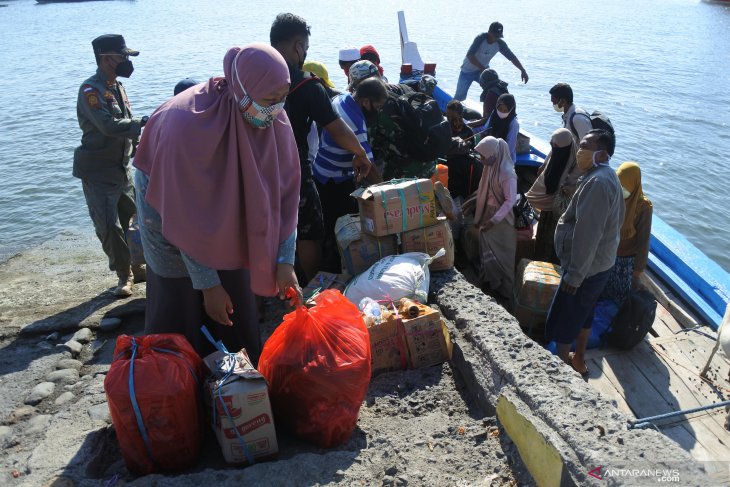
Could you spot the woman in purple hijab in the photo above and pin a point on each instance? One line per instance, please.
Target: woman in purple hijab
(218, 191)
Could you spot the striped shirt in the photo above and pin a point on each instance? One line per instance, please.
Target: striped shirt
(332, 161)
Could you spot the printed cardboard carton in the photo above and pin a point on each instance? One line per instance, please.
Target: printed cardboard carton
(427, 338)
(359, 250)
(396, 206)
(387, 347)
(242, 413)
(430, 240)
(399, 342)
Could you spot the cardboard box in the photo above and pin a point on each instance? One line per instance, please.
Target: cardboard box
(398, 343)
(396, 206)
(535, 286)
(325, 280)
(388, 347)
(245, 396)
(430, 240)
(427, 338)
(359, 250)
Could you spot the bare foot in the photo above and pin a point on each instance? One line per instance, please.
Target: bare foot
(578, 364)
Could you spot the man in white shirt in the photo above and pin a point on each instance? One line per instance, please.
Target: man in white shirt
(575, 119)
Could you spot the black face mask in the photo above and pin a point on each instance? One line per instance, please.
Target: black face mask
(124, 69)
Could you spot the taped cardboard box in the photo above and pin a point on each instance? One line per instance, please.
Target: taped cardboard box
(241, 408)
(430, 240)
(535, 286)
(358, 250)
(396, 206)
(325, 280)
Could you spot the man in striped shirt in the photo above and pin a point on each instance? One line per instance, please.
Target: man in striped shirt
(333, 169)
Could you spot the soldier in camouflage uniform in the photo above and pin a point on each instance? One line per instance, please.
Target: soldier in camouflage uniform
(110, 134)
(387, 142)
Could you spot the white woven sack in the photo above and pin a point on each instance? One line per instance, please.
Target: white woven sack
(394, 277)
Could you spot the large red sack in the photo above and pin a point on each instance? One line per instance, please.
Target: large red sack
(163, 434)
(317, 363)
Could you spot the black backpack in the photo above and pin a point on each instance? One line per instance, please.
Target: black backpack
(428, 134)
(598, 120)
(632, 322)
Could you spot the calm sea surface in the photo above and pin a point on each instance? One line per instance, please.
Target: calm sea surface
(659, 68)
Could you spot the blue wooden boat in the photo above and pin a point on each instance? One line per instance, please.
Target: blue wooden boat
(687, 272)
(673, 380)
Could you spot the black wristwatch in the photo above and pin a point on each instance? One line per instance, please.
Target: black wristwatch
(143, 121)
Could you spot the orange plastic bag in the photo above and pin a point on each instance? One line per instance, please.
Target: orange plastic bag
(317, 363)
(153, 394)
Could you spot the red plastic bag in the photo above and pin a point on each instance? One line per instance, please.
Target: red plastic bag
(317, 363)
(157, 419)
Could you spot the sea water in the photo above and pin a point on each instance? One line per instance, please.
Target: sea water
(658, 68)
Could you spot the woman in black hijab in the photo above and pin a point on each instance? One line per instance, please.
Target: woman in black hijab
(552, 191)
(503, 123)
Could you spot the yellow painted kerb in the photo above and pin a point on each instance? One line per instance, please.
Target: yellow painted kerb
(539, 456)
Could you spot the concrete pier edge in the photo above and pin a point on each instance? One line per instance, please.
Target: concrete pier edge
(543, 405)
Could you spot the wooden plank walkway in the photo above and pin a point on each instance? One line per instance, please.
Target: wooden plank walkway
(662, 375)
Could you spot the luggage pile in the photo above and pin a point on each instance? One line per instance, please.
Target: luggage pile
(315, 369)
(387, 251)
(405, 334)
(401, 215)
(401, 233)
(156, 388)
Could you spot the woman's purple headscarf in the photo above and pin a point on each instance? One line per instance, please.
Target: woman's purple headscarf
(228, 193)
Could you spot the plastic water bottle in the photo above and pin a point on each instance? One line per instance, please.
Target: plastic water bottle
(371, 310)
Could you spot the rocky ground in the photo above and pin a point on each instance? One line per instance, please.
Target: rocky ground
(58, 325)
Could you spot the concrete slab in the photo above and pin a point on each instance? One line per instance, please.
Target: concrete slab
(492, 353)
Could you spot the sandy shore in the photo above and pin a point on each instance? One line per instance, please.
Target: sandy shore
(58, 325)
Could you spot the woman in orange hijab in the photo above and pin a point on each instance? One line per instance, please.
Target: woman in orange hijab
(633, 250)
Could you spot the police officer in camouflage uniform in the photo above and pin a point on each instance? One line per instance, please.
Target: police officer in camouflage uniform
(110, 134)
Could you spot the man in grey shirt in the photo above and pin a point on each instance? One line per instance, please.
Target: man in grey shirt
(485, 46)
(586, 240)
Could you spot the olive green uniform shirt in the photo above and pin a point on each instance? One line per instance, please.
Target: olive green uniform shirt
(109, 131)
